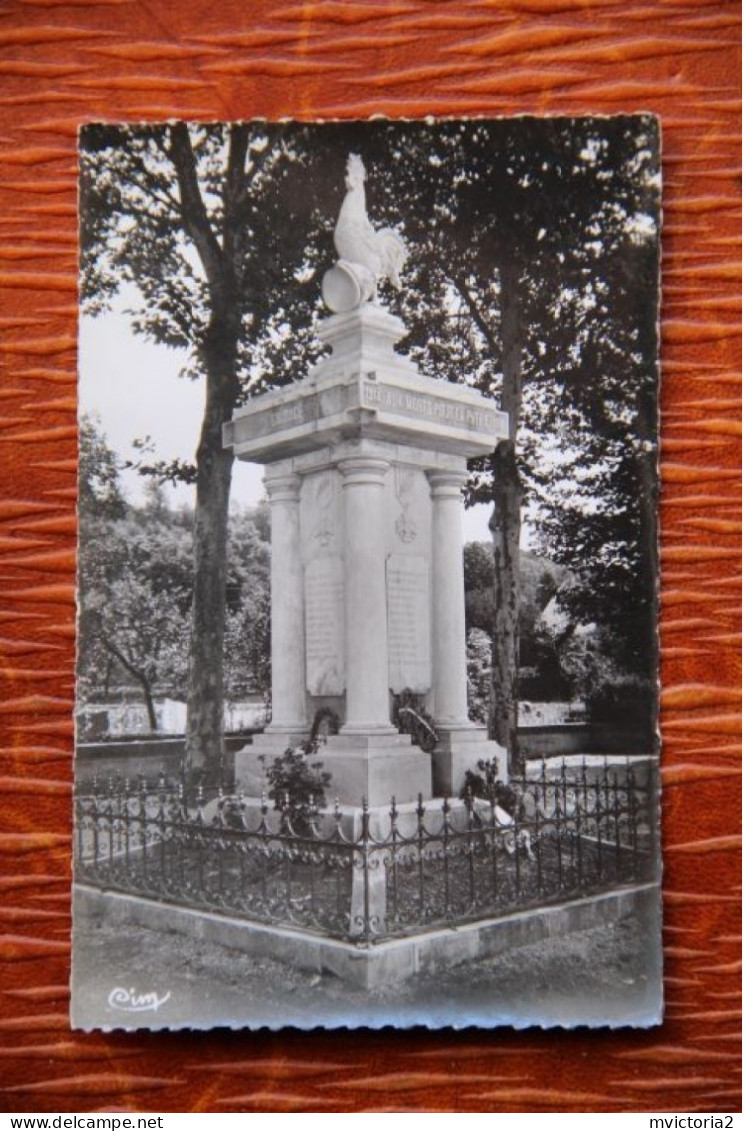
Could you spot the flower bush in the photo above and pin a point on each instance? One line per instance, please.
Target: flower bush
(485, 783)
(296, 784)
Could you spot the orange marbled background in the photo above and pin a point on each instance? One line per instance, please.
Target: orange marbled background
(63, 62)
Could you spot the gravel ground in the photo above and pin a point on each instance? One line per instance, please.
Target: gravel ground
(607, 975)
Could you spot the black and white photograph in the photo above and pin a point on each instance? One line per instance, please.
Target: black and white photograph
(366, 725)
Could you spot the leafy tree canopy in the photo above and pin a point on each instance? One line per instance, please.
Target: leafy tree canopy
(136, 589)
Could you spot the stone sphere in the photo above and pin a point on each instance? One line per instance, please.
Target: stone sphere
(341, 289)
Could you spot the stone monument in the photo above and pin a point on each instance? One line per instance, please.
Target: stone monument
(365, 460)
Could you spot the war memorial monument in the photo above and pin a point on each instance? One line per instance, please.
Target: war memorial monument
(365, 460)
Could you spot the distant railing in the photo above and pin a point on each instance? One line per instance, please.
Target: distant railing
(365, 875)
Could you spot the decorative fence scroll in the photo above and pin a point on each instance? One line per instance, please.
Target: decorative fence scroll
(366, 875)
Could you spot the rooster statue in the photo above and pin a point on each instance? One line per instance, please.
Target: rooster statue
(366, 257)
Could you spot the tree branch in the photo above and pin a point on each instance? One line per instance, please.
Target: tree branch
(478, 317)
(166, 199)
(195, 218)
(233, 197)
(126, 663)
(257, 163)
(149, 183)
(233, 192)
(138, 675)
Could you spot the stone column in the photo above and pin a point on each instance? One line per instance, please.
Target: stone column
(449, 675)
(367, 699)
(287, 607)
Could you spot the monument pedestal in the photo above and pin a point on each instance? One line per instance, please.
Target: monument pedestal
(460, 749)
(376, 767)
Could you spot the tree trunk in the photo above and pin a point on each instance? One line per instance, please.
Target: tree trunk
(505, 527)
(137, 674)
(150, 706)
(222, 263)
(205, 706)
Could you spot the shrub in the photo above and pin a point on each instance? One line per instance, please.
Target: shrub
(296, 784)
(484, 783)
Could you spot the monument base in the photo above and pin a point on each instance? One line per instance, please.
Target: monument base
(460, 749)
(375, 767)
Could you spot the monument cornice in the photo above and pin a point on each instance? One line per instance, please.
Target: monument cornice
(367, 392)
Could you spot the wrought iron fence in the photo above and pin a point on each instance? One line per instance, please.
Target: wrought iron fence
(365, 875)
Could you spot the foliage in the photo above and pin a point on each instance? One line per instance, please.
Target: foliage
(479, 666)
(485, 783)
(586, 661)
(296, 785)
(411, 717)
(136, 589)
(134, 584)
(540, 258)
(541, 582)
(480, 581)
(544, 677)
(613, 694)
(248, 607)
(99, 490)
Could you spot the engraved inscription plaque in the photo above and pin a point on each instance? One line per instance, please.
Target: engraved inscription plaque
(439, 410)
(409, 636)
(324, 626)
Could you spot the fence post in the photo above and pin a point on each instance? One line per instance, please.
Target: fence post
(143, 828)
(616, 819)
(581, 823)
(392, 872)
(368, 920)
(537, 836)
(469, 804)
(445, 855)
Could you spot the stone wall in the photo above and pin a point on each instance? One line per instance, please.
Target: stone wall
(147, 756)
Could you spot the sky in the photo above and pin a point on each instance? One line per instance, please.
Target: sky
(132, 387)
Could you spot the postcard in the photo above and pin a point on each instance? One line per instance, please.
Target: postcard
(367, 667)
